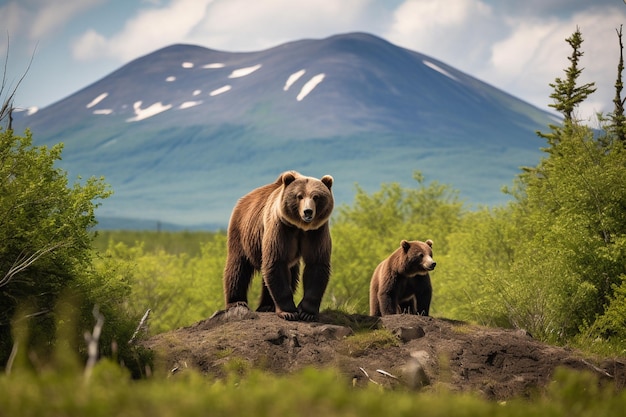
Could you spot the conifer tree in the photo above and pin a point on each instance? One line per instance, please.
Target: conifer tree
(567, 94)
(571, 217)
(618, 120)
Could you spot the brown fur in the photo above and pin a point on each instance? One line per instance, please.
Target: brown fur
(401, 282)
(271, 230)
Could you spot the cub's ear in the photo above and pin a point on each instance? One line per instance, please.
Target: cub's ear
(328, 181)
(429, 243)
(405, 245)
(288, 177)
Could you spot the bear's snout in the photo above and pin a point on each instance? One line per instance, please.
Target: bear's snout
(431, 266)
(307, 215)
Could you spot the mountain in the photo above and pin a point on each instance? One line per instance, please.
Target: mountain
(183, 132)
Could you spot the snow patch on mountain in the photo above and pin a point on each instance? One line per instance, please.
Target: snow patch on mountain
(188, 104)
(141, 114)
(310, 85)
(187, 64)
(214, 65)
(196, 92)
(439, 70)
(170, 79)
(220, 90)
(103, 111)
(242, 72)
(293, 78)
(97, 100)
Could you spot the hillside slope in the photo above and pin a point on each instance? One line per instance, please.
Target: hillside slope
(181, 133)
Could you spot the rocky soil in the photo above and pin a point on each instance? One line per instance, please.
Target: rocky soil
(408, 350)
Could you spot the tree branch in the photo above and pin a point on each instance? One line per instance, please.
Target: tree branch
(23, 262)
(6, 110)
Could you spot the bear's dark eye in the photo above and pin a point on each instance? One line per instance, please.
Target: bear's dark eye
(315, 198)
(300, 196)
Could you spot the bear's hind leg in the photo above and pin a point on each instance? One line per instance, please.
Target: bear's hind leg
(237, 276)
(266, 304)
(423, 297)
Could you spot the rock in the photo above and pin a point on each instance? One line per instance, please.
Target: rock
(413, 372)
(406, 334)
(330, 331)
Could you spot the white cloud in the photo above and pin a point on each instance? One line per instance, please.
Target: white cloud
(530, 58)
(150, 29)
(253, 25)
(12, 18)
(536, 53)
(90, 45)
(28, 23)
(458, 32)
(51, 15)
(232, 25)
(39, 18)
(513, 46)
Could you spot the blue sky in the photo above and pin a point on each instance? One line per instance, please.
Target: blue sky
(515, 45)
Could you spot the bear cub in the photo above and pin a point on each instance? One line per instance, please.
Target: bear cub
(272, 229)
(401, 283)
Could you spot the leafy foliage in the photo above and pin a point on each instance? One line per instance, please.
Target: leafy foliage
(45, 239)
(367, 232)
(559, 248)
(178, 289)
(572, 219)
(472, 276)
(311, 392)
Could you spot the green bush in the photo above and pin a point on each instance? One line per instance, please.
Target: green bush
(45, 239)
(371, 229)
(179, 289)
(310, 392)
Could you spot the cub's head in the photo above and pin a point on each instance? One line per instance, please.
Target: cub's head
(307, 202)
(417, 257)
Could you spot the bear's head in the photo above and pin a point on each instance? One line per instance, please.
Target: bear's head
(417, 257)
(306, 202)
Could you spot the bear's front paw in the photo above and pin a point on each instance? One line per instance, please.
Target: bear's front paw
(237, 304)
(289, 316)
(307, 316)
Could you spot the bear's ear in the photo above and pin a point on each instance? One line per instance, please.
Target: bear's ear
(405, 245)
(288, 177)
(328, 181)
(429, 243)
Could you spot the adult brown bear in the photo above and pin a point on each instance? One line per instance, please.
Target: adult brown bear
(401, 283)
(271, 230)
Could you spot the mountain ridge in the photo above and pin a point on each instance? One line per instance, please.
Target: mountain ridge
(184, 131)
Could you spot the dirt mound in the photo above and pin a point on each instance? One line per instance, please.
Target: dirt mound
(409, 350)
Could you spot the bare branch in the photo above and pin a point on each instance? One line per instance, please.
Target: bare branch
(23, 261)
(6, 109)
(142, 326)
(92, 342)
(12, 357)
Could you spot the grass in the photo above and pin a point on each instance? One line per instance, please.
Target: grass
(360, 343)
(110, 391)
(178, 242)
